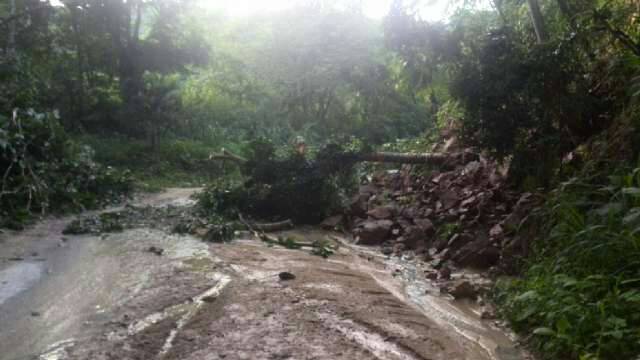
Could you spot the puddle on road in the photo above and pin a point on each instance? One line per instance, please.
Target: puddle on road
(18, 278)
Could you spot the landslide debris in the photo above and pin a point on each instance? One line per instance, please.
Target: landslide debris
(466, 216)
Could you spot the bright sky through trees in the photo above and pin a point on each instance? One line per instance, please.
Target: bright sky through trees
(434, 10)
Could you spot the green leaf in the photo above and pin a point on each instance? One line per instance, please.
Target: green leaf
(529, 295)
(632, 191)
(563, 325)
(544, 331)
(632, 216)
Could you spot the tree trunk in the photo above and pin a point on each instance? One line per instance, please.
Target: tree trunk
(11, 41)
(435, 159)
(538, 21)
(403, 158)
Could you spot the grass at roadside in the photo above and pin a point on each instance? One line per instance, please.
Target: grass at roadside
(173, 163)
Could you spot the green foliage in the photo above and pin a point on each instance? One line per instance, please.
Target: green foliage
(579, 297)
(293, 187)
(173, 162)
(509, 111)
(43, 170)
(323, 248)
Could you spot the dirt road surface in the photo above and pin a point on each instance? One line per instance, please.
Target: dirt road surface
(109, 297)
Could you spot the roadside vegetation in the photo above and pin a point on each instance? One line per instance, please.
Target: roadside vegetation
(100, 98)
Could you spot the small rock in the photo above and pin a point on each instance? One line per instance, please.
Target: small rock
(444, 273)
(496, 231)
(155, 250)
(35, 313)
(432, 276)
(382, 212)
(488, 313)
(332, 222)
(209, 299)
(286, 276)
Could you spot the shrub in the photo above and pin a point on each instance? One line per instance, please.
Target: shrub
(44, 170)
(531, 104)
(275, 188)
(580, 297)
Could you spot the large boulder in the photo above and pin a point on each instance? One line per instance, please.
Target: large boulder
(414, 237)
(373, 232)
(358, 205)
(383, 212)
(426, 225)
(449, 198)
(463, 289)
(479, 254)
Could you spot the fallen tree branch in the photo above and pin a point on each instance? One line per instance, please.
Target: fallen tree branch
(227, 155)
(260, 235)
(275, 226)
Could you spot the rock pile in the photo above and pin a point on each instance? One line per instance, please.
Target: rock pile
(466, 216)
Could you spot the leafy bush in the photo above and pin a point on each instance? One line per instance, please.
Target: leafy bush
(529, 103)
(275, 188)
(580, 296)
(44, 170)
(174, 162)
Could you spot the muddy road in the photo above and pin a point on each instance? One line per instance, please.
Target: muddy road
(109, 297)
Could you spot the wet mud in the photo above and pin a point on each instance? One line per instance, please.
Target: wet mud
(108, 297)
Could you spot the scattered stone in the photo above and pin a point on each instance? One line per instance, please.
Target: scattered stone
(463, 289)
(444, 273)
(35, 313)
(155, 250)
(488, 312)
(209, 299)
(432, 276)
(286, 276)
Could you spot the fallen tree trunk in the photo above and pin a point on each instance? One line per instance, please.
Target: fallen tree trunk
(436, 159)
(402, 158)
